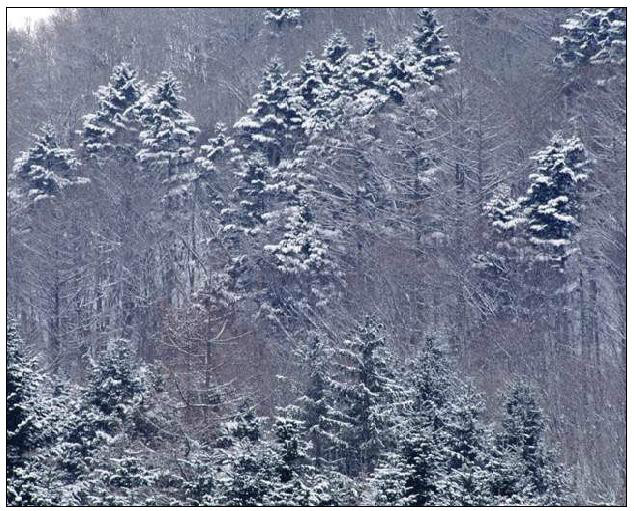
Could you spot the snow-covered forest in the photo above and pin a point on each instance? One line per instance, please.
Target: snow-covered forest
(317, 257)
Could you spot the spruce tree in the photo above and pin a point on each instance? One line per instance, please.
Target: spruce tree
(398, 77)
(282, 17)
(45, 170)
(168, 134)
(26, 428)
(272, 122)
(333, 71)
(428, 57)
(552, 203)
(368, 396)
(592, 36)
(316, 404)
(526, 471)
(307, 91)
(367, 68)
(110, 131)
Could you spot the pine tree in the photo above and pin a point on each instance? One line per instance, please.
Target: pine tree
(304, 249)
(612, 43)
(215, 160)
(26, 428)
(110, 130)
(333, 71)
(398, 77)
(526, 471)
(247, 463)
(368, 396)
(429, 59)
(307, 89)
(415, 471)
(281, 17)
(367, 77)
(271, 124)
(468, 452)
(367, 68)
(316, 405)
(251, 195)
(592, 36)
(505, 220)
(45, 170)
(107, 407)
(168, 135)
(552, 203)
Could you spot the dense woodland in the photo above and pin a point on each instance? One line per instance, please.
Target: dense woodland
(317, 257)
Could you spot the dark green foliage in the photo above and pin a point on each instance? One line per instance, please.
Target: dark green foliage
(46, 169)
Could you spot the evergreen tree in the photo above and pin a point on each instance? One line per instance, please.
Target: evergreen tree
(414, 473)
(526, 471)
(271, 124)
(251, 195)
(307, 89)
(429, 58)
(45, 170)
(334, 74)
(592, 36)
(214, 160)
(168, 135)
(281, 17)
(552, 204)
(110, 130)
(367, 68)
(368, 395)
(107, 408)
(468, 451)
(26, 428)
(316, 405)
(398, 77)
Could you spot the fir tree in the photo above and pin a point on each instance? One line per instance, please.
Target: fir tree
(168, 134)
(429, 58)
(592, 36)
(307, 91)
(526, 471)
(468, 452)
(333, 71)
(367, 68)
(368, 396)
(26, 430)
(281, 17)
(271, 124)
(110, 130)
(552, 204)
(45, 170)
(316, 405)
(398, 77)
(214, 158)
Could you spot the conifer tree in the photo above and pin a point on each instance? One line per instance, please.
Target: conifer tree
(333, 71)
(110, 131)
(45, 170)
(368, 396)
(168, 134)
(316, 405)
(526, 471)
(592, 36)
(398, 76)
(552, 203)
(307, 89)
(272, 122)
(25, 419)
(282, 17)
(429, 59)
(367, 68)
